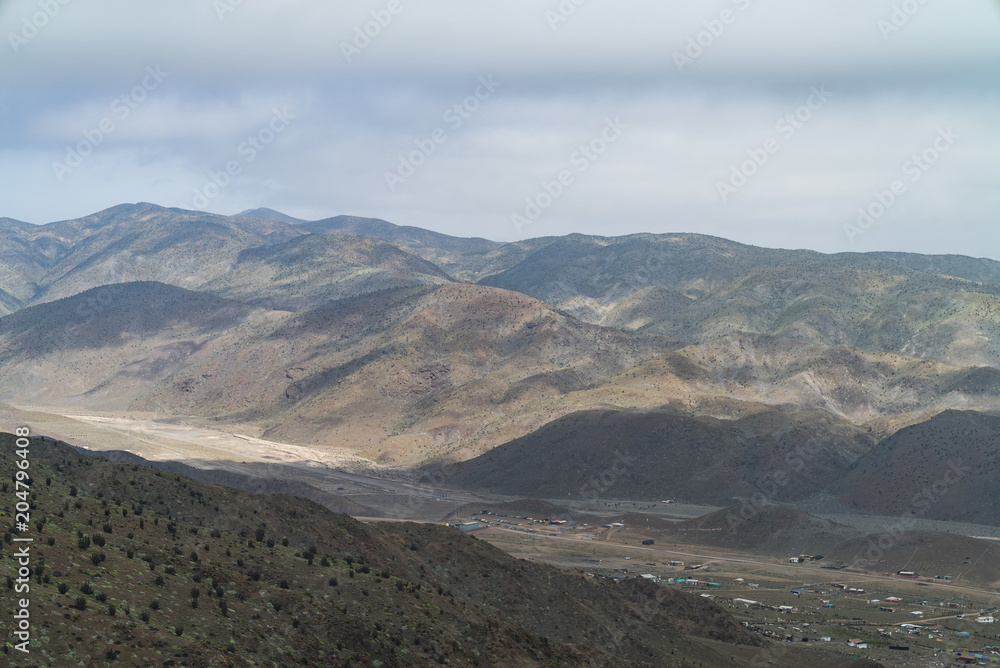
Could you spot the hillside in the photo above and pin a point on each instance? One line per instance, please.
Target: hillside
(740, 373)
(219, 577)
(945, 468)
(448, 252)
(311, 269)
(404, 375)
(696, 288)
(135, 333)
(134, 242)
(660, 454)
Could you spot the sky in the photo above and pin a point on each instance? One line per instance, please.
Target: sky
(854, 125)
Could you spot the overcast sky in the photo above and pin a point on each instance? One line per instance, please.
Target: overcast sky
(682, 108)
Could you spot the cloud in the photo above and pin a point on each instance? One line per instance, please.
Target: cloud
(753, 62)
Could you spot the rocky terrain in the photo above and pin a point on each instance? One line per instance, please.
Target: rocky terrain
(714, 362)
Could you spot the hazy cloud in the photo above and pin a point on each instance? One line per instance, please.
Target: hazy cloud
(701, 86)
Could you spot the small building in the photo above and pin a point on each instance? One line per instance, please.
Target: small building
(469, 526)
(985, 619)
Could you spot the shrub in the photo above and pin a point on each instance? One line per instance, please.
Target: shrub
(87, 589)
(154, 604)
(81, 603)
(63, 587)
(144, 615)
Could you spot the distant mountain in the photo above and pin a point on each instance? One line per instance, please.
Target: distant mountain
(314, 268)
(24, 257)
(136, 242)
(696, 288)
(269, 214)
(448, 252)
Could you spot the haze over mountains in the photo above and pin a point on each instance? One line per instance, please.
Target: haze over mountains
(522, 359)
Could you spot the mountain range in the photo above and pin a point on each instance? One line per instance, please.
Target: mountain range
(710, 362)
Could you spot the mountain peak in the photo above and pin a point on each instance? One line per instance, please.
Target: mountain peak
(269, 214)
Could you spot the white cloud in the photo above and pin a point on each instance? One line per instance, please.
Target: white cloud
(608, 59)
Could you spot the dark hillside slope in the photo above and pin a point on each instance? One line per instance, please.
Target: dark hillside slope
(141, 568)
(669, 454)
(945, 469)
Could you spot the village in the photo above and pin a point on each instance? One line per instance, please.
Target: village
(899, 619)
